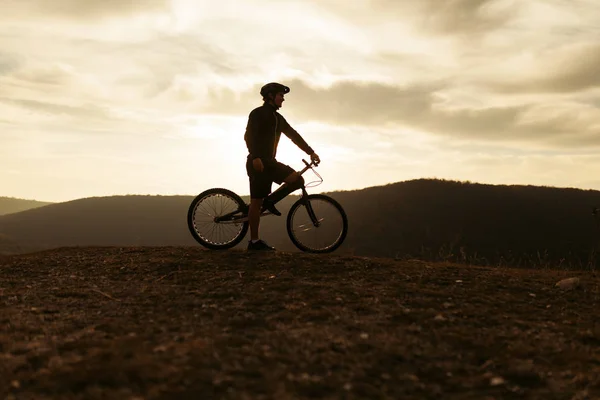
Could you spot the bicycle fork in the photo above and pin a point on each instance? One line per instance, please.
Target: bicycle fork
(309, 209)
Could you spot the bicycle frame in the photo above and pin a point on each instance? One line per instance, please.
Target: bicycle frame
(234, 218)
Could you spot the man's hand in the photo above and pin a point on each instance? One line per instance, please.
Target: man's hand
(315, 158)
(258, 165)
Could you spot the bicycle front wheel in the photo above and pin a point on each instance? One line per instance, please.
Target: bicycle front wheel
(216, 219)
(317, 224)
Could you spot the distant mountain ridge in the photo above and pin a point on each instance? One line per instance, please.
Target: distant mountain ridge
(9, 205)
(424, 218)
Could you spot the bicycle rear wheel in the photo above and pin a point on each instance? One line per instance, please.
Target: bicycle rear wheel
(329, 231)
(213, 219)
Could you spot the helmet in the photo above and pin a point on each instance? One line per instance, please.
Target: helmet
(273, 87)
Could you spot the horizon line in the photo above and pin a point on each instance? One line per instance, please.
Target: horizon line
(467, 181)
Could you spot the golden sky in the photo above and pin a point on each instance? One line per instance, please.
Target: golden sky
(104, 97)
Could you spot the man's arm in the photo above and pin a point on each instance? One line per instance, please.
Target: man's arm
(295, 136)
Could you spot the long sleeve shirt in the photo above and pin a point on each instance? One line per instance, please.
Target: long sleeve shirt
(264, 129)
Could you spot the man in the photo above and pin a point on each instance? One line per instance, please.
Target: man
(263, 131)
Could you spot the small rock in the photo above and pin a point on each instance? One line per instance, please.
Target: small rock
(532, 295)
(523, 373)
(15, 384)
(347, 386)
(364, 335)
(568, 284)
(459, 281)
(439, 317)
(160, 348)
(497, 381)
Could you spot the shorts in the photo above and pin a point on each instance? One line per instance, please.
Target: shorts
(260, 182)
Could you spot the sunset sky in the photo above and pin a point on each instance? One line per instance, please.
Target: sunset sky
(111, 97)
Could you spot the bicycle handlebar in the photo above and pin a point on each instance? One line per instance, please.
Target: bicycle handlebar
(308, 166)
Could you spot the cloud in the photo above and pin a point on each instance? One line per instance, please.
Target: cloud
(86, 112)
(462, 16)
(572, 68)
(421, 107)
(52, 74)
(344, 102)
(79, 10)
(8, 63)
(170, 71)
(432, 17)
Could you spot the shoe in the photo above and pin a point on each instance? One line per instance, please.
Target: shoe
(260, 245)
(269, 206)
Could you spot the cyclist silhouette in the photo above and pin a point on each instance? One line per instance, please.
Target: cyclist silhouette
(263, 131)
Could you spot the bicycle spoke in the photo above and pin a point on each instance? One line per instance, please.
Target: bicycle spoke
(329, 228)
(203, 207)
(207, 209)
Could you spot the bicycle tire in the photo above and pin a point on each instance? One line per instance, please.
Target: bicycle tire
(293, 213)
(237, 235)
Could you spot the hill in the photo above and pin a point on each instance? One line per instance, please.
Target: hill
(9, 205)
(10, 246)
(428, 219)
(183, 323)
(483, 224)
(135, 220)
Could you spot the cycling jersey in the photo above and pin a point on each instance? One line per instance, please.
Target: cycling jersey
(265, 126)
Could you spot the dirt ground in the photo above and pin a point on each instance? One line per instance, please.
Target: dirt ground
(185, 323)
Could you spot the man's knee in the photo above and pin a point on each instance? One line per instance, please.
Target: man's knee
(298, 181)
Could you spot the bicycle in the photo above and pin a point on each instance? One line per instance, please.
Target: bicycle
(218, 219)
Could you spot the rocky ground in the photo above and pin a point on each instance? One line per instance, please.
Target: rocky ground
(184, 323)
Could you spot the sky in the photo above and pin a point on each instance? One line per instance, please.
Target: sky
(114, 97)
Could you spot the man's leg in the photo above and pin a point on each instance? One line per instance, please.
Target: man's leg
(260, 187)
(254, 217)
(254, 212)
(291, 183)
